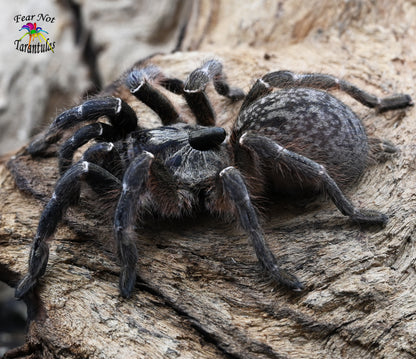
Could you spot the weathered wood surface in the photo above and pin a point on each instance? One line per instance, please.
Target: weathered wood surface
(200, 293)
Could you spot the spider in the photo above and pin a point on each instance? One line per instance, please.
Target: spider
(290, 136)
(34, 31)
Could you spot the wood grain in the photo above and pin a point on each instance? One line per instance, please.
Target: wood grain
(200, 293)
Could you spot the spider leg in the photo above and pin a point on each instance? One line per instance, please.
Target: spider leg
(236, 191)
(282, 79)
(194, 91)
(270, 150)
(140, 83)
(105, 155)
(134, 185)
(381, 150)
(66, 193)
(121, 115)
(23, 35)
(98, 130)
(173, 85)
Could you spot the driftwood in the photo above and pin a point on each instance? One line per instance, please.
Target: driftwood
(200, 293)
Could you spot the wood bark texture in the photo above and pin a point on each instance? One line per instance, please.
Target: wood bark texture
(200, 292)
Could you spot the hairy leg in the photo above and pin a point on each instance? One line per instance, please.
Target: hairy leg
(134, 185)
(381, 150)
(282, 79)
(66, 193)
(272, 151)
(105, 155)
(99, 131)
(141, 83)
(236, 190)
(194, 91)
(121, 115)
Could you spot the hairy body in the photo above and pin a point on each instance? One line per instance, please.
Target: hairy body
(297, 139)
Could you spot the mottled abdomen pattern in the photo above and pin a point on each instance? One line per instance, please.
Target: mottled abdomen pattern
(311, 123)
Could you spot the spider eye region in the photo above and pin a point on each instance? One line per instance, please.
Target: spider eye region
(207, 138)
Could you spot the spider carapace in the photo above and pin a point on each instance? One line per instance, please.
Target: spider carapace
(289, 136)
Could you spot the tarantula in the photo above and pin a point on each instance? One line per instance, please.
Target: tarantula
(296, 139)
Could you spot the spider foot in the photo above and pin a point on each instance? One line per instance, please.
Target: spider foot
(39, 147)
(233, 93)
(395, 102)
(370, 217)
(382, 150)
(388, 147)
(288, 280)
(38, 260)
(24, 286)
(127, 281)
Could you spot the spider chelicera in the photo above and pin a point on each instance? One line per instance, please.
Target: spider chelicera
(295, 139)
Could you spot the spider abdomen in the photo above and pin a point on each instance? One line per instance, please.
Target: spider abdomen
(311, 123)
